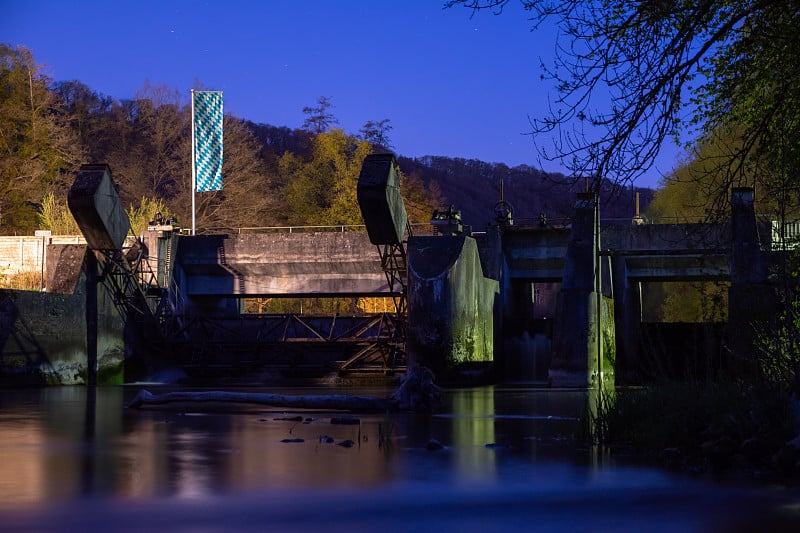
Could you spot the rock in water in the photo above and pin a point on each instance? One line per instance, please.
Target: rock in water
(417, 391)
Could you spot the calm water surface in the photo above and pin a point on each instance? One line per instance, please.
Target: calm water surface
(509, 462)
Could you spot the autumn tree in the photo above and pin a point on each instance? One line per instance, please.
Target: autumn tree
(37, 148)
(420, 199)
(56, 217)
(321, 189)
(142, 215)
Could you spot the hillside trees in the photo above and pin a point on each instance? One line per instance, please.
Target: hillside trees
(38, 150)
(161, 126)
(147, 143)
(84, 108)
(249, 196)
(321, 189)
(271, 175)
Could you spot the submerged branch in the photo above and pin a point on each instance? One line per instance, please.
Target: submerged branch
(417, 392)
(339, 402)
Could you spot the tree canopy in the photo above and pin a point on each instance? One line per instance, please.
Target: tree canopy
(629, 76)
(37, 146)
(322, 189)
(271, 175)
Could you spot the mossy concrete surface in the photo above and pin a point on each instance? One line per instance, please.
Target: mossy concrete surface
(451, 304)
(43, 338)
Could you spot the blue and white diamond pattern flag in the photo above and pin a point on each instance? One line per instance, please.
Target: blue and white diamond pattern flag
(207, 128)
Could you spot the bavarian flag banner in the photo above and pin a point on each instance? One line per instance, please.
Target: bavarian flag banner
(207, 139)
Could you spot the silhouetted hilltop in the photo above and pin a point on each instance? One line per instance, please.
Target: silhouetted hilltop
(474, 188)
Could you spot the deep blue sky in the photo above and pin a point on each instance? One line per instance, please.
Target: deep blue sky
(450, 84)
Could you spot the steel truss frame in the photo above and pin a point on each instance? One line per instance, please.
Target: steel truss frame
(133, 286)
(378, 340)
(290, 341)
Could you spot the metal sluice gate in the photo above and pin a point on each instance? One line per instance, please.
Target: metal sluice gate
(296, 344)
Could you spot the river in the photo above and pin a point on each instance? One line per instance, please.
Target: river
(70, 460)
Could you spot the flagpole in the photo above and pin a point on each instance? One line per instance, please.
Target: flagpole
(194, 167)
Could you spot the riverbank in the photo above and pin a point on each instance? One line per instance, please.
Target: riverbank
(721, 429)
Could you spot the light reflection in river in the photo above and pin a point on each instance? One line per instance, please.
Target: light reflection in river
(68, 455)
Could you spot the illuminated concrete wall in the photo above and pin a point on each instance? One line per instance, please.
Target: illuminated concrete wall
(451, 304)
(280, 264)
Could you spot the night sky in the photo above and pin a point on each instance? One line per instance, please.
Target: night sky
(451, 84)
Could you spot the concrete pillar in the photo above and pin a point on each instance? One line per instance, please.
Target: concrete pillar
(747, 262)
(627, 321)
(577, 352)
(450, 306)
(751, 298)
(92, 280)
(494, 261)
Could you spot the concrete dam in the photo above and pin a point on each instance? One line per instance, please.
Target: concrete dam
(462, 301)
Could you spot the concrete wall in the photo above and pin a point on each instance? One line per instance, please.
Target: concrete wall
(24, 253)
(451, 304)
(43, 338)
(280, 264)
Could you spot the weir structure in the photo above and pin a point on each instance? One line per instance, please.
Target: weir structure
(464, 302)
(182, 296)
(594, 331)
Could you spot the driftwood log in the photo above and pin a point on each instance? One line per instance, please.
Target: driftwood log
(416, 392)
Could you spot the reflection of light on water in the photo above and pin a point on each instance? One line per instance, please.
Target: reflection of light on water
(192, 478)
(22, 473)
(473, 428)
(513, 417)
(230, 468)
(194, 454)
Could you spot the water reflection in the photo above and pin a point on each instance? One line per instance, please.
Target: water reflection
(472, 430)
(62, 445)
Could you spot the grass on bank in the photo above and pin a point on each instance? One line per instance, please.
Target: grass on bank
(26, 280)
(718, 425)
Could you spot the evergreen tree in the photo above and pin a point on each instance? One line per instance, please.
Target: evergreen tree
(319, 117)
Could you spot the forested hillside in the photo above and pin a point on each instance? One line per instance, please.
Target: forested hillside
(475, 187)
(273, 175)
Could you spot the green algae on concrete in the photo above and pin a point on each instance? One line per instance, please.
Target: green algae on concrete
(451, 304)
